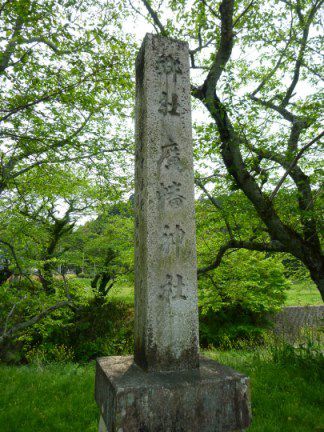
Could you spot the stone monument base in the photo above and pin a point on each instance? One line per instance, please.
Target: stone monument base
(213, 398)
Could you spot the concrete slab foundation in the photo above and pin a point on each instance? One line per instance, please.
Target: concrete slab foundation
(213, 398)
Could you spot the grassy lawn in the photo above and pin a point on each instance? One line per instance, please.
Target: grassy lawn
(123, 292)
(59, 398)
(56, 398)
(284, 398)
(119, 291)
(303, 294)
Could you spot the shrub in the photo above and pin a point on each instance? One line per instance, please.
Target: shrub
(247, 281)
(236, 298)
(50, 353)
(306, 355)
(92, 329)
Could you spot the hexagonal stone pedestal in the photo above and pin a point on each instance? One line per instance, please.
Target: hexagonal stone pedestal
(213, 398)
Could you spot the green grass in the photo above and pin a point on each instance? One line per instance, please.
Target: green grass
(284, 398)
(122, 292)
(303, 293)
(56, 398)
(59, 398)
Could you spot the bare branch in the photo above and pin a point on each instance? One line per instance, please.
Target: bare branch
(243, 13)
(293, 164)
(211, 10)
(217, 204)
(155, 18)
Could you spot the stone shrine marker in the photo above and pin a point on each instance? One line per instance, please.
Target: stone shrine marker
(166, 387)
(166, 311)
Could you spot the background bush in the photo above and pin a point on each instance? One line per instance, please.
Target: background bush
(235, 300)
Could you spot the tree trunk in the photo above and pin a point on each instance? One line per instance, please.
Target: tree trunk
(95, 281)
(46, 278)
(305, 248)
(106, 277)
(320, 284)
(102, 279)
(317, 274)
(5, 273)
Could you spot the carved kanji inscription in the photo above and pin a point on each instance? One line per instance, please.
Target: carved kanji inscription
(172, 288)
(169, 104)
(171, 194)
(171, 157)
(169, 65)
(166, 319)
(172, 239)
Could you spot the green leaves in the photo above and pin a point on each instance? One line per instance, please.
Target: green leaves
(247, 280)
(57, 73)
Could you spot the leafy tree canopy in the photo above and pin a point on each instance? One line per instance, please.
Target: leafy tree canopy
(257, 71)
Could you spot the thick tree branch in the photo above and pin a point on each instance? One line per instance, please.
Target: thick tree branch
(302, 182)
(287, 115)
(21, 326)
(233, 159)
(295, 132)
(224, 50)
(274, 246)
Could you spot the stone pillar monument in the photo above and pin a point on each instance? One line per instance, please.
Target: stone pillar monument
(166, 310)
(166, 387)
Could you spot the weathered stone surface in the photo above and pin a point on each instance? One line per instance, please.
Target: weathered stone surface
(166, 313)
(213, 398)
(163, 388)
